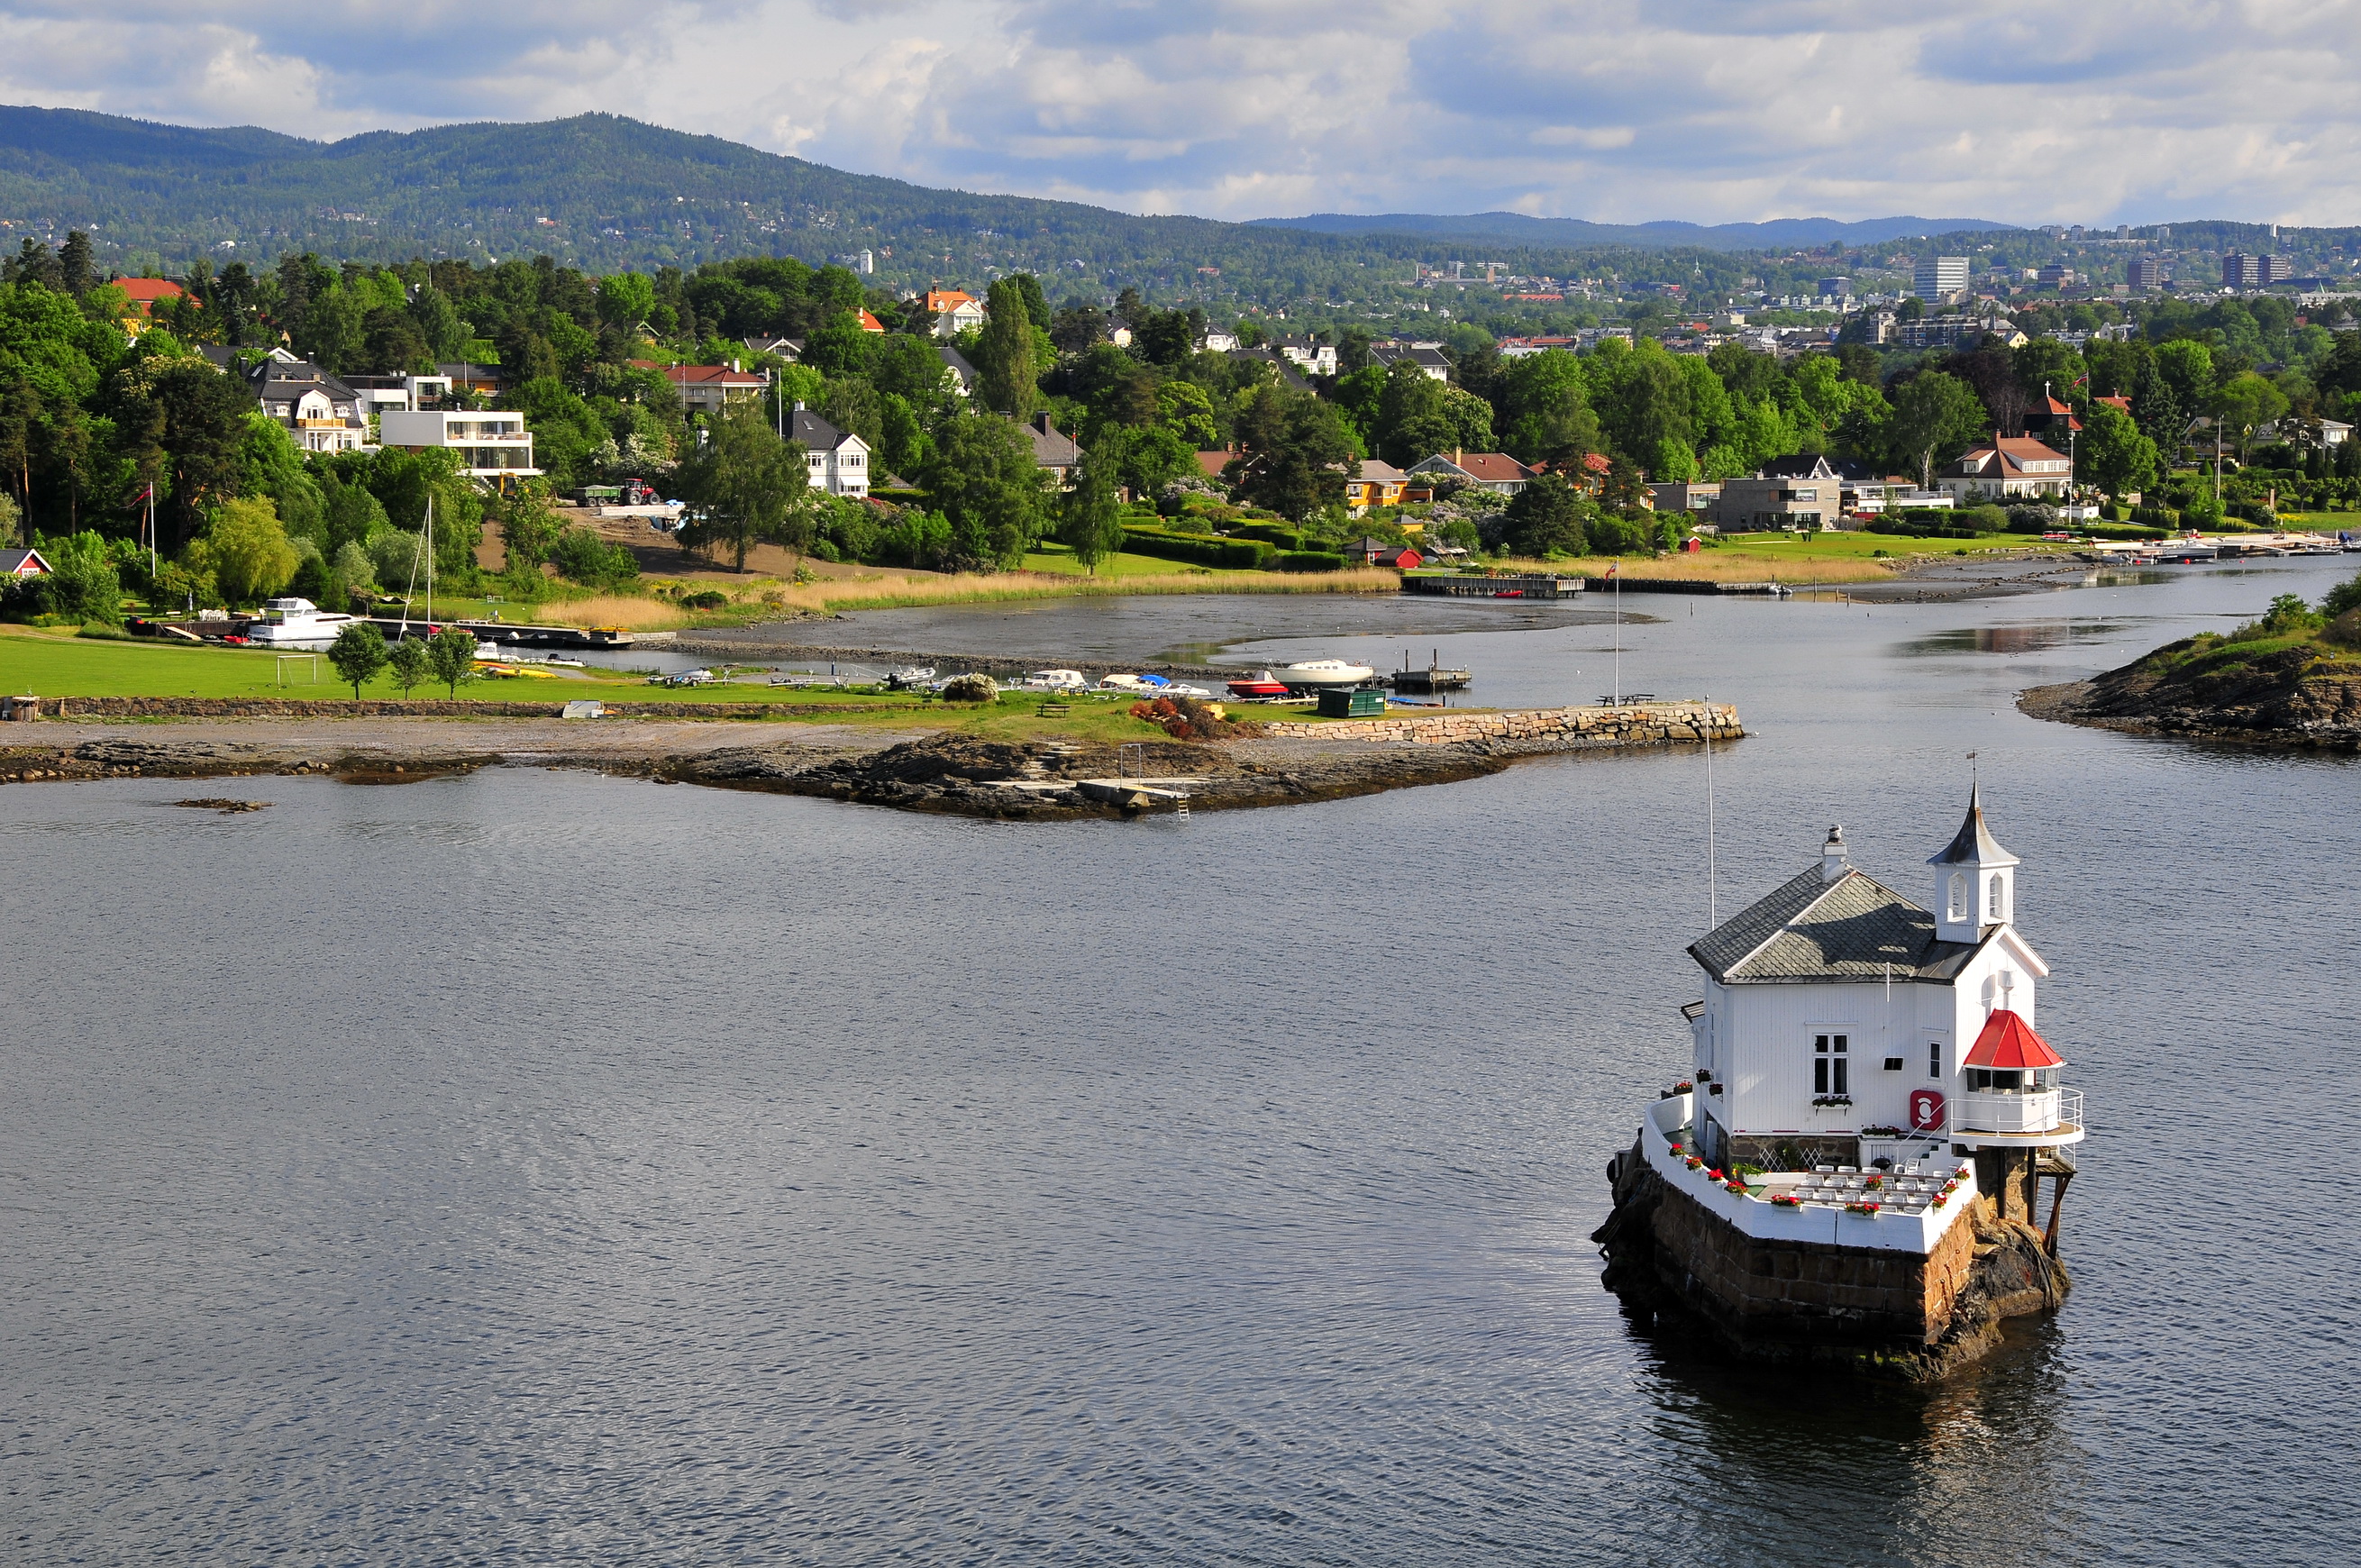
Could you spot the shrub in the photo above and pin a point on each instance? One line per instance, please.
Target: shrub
(1236, 555)
(704, 599)
(1271, 533)
(1309, 561)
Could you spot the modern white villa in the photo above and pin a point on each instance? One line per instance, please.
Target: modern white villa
(491, 445)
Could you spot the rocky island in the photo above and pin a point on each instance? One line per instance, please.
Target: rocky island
(2291, 679)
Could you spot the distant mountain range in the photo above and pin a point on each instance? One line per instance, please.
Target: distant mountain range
(1778, 233)
(603, 192)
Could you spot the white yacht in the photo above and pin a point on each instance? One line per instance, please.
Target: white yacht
(1313, 673)
(296, 621)
(1054, 681)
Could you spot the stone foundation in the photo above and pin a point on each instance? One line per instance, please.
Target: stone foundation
(1537, 729)
(1901, 1314)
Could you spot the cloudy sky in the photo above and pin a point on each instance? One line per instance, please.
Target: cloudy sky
(2136, 111)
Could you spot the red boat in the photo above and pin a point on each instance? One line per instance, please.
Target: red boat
(1260, 684)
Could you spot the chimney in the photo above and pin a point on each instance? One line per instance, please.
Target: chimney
(799, 405)
(1833, 864)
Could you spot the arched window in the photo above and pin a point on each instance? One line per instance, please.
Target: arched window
(1994, 907)
(1958, 895)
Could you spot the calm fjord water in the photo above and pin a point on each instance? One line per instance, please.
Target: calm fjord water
(556, 1168)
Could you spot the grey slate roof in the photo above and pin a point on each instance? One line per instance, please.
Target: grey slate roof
(1973, 842)
(816, 434)
(1810, 929)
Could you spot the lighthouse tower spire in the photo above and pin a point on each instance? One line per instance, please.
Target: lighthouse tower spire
(1975, 879)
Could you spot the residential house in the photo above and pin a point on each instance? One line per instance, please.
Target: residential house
(495, 448)
(790, 350)
(837, 461)
(1211, 464)
(1219, 342)
(2332, 433)
(1495, 471)
(1311, 359)
(1682, 496)
(323, 413)
(954, 310)
(23, 564)
(1381, 553)
(710, 388)
(1376, 485)
(962, 373)
(1427, 356)
(2006, 468)
(1805, 492)
(2122, 402)
(1052, 450)
(869, 322)
(1281, 366)
(144, 295)
(399, 394)
(2051, 420)
(476, 380)
(1589, 476)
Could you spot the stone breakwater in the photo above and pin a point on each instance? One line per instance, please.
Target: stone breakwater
(1895, 1314)
(1534, 730)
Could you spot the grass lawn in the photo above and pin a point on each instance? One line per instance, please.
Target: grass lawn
(53, 662)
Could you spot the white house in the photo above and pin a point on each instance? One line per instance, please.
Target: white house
(838, 460)
(1311, 359)
(1843, 1024)
(2006, 468)
(494, 446)
(320, 410)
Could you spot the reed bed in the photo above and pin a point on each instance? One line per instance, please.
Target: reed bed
(769, 597)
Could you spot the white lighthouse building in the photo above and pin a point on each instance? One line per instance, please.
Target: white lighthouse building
(1844, 1025)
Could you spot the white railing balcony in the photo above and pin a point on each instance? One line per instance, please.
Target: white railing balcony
(2037, 1110)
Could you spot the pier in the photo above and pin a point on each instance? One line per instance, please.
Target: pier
(1470, 588)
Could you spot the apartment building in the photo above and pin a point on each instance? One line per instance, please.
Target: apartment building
(1940, 277)
(491, 446)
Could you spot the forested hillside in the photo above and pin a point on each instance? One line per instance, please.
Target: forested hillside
(603, 193)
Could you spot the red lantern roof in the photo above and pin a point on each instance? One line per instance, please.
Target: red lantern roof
(2009, 1044)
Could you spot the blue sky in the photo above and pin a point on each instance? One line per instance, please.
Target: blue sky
(2136, 110)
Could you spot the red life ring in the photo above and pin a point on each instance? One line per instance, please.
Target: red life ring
(1926, 1110)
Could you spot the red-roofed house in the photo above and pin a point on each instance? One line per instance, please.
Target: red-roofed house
(2006, 468)
(2051, 420)
(871, 323)
(708, 388)
(2122, 402)
(1495, 471)
(145, 292)
(954, 310)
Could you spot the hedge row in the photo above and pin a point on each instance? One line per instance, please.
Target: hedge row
(1310, 561)
(1269, 534)
(1232, 555)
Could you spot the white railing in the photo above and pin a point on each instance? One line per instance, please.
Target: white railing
(2041, 1110)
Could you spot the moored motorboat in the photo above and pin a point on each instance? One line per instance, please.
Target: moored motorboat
(1054, 681)
(286, 621)
(1136, 686)
(1262, 685)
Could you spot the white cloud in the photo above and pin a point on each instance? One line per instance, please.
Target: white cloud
(2144, 110)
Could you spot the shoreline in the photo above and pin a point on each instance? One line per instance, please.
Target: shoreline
(954, 772)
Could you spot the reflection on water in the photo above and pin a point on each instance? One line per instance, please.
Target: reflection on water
(2025, 637)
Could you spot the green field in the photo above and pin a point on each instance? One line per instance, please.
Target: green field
(56, 662)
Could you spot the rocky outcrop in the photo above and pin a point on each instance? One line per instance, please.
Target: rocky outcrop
(2305, 696)
(1892, 1314)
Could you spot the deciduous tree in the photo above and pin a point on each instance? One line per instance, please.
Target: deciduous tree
(358, 653)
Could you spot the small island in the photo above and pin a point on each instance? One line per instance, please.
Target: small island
(2289, 679)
